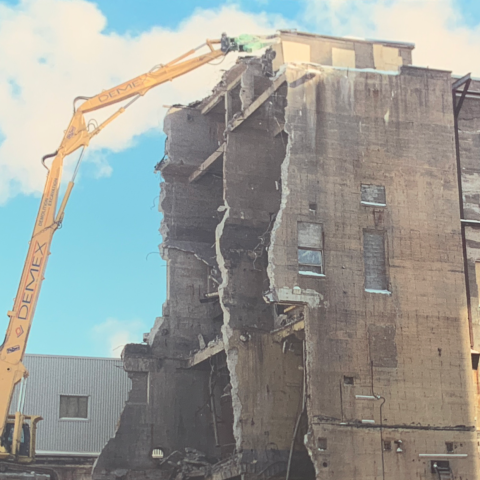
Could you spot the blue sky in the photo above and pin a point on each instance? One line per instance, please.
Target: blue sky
(104, 286)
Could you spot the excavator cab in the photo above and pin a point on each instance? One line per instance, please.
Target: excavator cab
(18, 440)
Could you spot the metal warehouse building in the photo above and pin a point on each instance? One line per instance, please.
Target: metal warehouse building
(80, 400)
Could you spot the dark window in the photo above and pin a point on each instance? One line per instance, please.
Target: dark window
(310, 248)
(475, 357)
(322, 443)
(73, 406)
(387, 445)
(449, 446)
(348, 381)
(440, 466)
(373, 195)
(374, 258)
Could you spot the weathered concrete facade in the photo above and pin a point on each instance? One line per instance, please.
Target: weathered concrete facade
(316, 324)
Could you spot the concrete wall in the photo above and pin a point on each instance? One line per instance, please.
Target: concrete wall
(408, 346)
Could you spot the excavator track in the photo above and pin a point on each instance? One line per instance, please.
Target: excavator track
(9, 471)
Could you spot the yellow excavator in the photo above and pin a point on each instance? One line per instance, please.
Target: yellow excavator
(17, 432)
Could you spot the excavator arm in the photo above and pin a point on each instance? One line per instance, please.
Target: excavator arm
(77, 136)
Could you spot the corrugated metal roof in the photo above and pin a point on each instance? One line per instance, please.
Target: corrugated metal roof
(103, 380)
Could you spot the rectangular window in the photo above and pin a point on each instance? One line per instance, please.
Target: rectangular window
(373, 195)
(310, 249)
(477, 278)
(73, 406)
(374, 259)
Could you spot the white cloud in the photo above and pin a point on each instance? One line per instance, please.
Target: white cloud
(442, 39)
(54, 50)
(113, 334)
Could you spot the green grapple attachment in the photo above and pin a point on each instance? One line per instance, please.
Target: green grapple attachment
(247, 43)
(251, 43)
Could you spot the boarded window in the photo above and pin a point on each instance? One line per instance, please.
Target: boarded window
(295, 52)
(310, 248)
(342, 57)
(382, 345)
(374, 259)
(373, 195)
(73, 406)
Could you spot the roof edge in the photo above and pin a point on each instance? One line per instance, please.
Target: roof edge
(408, 45)
(77, 357)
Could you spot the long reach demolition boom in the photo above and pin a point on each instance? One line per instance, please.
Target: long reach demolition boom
(17, 430)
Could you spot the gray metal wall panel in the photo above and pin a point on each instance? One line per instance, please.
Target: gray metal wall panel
(102, 379)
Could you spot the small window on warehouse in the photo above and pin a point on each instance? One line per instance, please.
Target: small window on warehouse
(74, 406)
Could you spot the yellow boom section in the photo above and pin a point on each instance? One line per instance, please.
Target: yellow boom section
(48, 219)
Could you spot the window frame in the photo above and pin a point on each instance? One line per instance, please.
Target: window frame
(75, 419)
(387, 290)
(321, 267)
(372, 204)
(477, 280)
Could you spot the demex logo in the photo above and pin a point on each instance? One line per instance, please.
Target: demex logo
(122, 89)
(31, 283)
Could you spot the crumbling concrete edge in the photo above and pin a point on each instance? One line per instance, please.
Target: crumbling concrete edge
(285, 293)
(311, 298)
(227, 331)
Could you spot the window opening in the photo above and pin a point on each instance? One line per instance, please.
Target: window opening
(373, 195)
(440, 466)
(322, 443)
(475, 358)
(73, 406)
(286, 314)
(310, 249)
(375, 264)
(477, 278)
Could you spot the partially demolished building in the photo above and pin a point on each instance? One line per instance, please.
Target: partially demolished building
(321, 212)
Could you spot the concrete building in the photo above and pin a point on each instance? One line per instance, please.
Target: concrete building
(80, 400)
(321, 212)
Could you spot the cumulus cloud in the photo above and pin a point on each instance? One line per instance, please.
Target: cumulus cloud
(55, 50)
(113, 334)
(442, 38)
